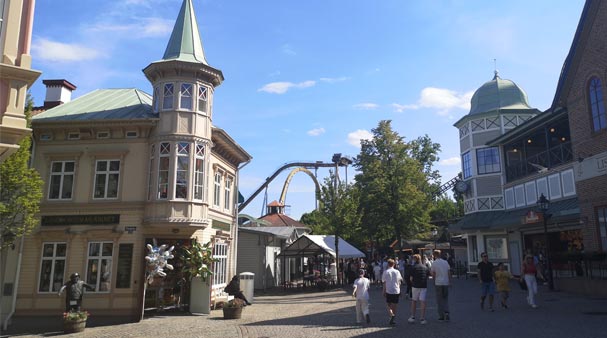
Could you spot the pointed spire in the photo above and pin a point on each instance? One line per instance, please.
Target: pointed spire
(185, 43)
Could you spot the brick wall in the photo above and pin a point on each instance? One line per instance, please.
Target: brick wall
(585, 141)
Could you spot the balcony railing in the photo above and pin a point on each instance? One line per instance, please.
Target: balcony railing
(546, 159)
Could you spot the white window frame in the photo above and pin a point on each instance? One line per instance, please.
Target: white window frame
(186, 94)
(227, 192)
(168, 92)
(162, 156)
(217, 178)
(203, 99)
(99, 273)
(151, 172)
(107, 173)
(62, 175)
(220, 266)
(54, 259)
(73, 135)
(3, 11)
(131, 134)
(103, 134)
(199, 170)
(182, 154)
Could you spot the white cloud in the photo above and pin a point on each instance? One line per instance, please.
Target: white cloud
(355, 137)
(334, 79)
(316, 131)
(47, 50)
(438, 98)
(144, 27)
(399, 108)
(366, 106)
(283, 87)
(287, 49)
(451, 161)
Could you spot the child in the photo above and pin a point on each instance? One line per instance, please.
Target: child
(419, 281)
(361, 293)
(502, 278)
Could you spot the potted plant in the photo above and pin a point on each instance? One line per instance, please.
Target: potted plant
(198, 260)
(233, 309)
(74, 321)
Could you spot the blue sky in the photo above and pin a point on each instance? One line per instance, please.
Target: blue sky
(307, 79)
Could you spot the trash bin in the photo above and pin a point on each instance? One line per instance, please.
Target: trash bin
(247, 283)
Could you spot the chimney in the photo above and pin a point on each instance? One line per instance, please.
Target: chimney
(57, 92)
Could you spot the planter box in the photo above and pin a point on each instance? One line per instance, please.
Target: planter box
(72, 326)
(200, 296)
(232, 312)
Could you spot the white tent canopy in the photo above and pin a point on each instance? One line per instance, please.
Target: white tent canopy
(321, 244)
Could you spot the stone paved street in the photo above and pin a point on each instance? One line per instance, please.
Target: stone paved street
(331, 314)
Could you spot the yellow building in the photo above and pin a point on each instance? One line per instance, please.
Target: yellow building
(16, 75)
(123, 168)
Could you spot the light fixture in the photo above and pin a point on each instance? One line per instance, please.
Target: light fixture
(529, 141)
(552, 130)
(563, 139)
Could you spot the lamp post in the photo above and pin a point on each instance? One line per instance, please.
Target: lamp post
(435, 236)
(543, 205)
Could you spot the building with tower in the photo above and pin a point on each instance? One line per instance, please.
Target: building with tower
(511, 155)
(122, 169)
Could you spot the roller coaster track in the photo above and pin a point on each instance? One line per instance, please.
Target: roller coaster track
(307, 165)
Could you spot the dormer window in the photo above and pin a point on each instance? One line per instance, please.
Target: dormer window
(167, 97)
(185, 100)
(203, 99)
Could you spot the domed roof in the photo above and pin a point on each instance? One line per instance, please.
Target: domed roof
(498, 94)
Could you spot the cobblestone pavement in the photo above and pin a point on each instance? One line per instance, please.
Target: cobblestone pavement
(331, 314)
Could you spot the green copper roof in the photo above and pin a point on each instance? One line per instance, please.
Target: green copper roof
(185, 43)
(498, 94)
(102, 104)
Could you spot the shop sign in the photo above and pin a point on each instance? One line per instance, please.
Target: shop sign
(533, 217)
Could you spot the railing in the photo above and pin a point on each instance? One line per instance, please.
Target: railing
(546, 159)
(591, 267)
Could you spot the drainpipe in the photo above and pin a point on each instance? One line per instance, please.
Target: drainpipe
(15, 287)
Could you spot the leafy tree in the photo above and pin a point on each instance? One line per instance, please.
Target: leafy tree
(20, 192)
(396, 183)
(315, 221)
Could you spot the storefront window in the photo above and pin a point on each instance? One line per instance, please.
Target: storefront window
(602, 222)
(220, 253)
(99, 265)
(52, 267)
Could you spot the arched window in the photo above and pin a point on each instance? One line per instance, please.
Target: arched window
(597, 106)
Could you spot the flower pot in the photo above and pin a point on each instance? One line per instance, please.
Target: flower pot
(71, 326)
(232, 312)
(200, 296)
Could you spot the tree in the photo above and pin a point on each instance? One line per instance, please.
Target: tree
(396, 183)
(20, 192)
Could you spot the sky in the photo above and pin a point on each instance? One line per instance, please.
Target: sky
(307, 79)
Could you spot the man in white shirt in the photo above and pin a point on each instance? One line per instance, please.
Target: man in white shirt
(391, 291)
(361, 293)
(441, 272)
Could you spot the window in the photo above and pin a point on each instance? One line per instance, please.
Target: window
(2, 10)
(73, 136)
(62, 180)
(103, 134)
(597, 106)
(182, 170)
(466, 165)
(185, 101)
(151, 171)
(220, 266)
(163, 170)
(227, 190)
(474, 248)
(156, 99)
(107, 175)
(199, 172)
(488, 160)
(52, 267)
(99, 265)
(217, 189)
(132, 134)
(167, 98)
(46, 137)
(202, 98)
(602, 222)
(496, 248)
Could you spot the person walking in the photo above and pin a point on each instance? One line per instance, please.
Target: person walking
(529, 272)
(391, 290)
(419, 281)
(502, 280)
(442, 279)
(361, 293)
(377, 273)
(485, 278)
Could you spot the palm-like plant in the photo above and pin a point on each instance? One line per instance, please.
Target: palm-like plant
(198, 259)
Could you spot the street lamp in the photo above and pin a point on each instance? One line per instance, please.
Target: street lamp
(543, 205)
(435, 236)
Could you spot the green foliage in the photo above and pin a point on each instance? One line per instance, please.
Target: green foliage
(75, 316)
(198, 259)
(20, 193)
(396, 184)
